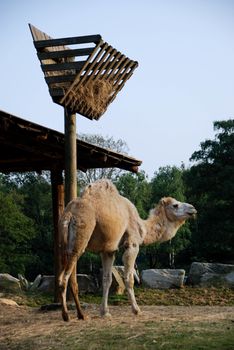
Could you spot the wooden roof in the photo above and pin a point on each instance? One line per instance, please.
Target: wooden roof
(26, 146)
(87, 77)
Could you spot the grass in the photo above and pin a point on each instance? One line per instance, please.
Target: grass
(166, 333)
(32, 299)
(150, 335)
(153, 335)
(184, 297)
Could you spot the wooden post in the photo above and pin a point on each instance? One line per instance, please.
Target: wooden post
(70, 161)
(70, 156)
(58, 207)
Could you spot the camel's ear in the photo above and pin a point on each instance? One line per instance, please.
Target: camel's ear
(162, 201)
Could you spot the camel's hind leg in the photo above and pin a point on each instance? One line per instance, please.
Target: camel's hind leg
(129, 258)
(79, 233)
(75, 290)
(63, 282)
(107, 263)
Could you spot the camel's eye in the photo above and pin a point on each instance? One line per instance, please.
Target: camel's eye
(175, 206)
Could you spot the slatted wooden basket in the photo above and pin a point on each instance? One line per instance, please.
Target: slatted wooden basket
(86, 86)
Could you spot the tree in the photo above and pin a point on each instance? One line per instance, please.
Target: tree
(16, 231)
(168, 181)
(35, 191)
(210, 185)
(137, 190)
(92, 175)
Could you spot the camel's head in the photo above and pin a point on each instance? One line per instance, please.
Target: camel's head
(177, 211)
(167, 217)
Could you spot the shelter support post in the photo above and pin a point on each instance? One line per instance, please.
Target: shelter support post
(70, 156)
(58, 207)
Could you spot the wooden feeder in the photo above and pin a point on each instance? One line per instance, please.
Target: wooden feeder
(84, 79)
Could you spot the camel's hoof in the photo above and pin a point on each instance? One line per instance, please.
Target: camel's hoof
(136, 311)
(83, 317)
(65, 317)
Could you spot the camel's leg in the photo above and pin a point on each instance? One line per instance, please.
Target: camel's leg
(63, 282)
(75, 290)
(79, 236)
(107, 263)
(129, 258)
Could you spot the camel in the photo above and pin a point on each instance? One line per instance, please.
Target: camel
(102, 221)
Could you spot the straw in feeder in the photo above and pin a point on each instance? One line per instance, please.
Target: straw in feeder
(85, 86)
(93, 96)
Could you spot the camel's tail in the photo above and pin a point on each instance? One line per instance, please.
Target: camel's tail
(64, 223)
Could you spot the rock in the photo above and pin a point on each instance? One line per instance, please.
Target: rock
(4, 301)
(34, 285)
(9, 283)
(46, 285)
(163, 278)
(210, 274)
(120, 270)
(117, 286)
(24, 284)
(86, 284)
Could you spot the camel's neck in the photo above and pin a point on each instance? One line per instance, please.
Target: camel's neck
(159, 228)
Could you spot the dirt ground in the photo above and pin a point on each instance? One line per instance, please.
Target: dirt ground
(18, 323)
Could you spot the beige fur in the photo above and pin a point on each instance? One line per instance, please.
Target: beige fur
(101, 221)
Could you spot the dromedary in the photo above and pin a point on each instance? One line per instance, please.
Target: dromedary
(101, 221)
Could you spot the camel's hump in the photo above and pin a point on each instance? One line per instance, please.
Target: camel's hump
(100, 186)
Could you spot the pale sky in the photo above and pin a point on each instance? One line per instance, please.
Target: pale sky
(184, 82)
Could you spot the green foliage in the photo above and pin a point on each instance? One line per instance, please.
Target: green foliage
(137, 190)
(89, 263)
(36, 190)
(210, 185)
(34, 193)
(16, 231)
(168, 181)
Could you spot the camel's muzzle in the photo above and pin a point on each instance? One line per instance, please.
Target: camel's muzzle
(192, 212)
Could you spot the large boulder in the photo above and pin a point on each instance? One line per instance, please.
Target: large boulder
(163, 278)
(210, 274)
(9, 283)
(86, 284)
(46, 284)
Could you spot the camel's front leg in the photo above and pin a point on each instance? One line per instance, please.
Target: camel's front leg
(129, 258)
(107, 263)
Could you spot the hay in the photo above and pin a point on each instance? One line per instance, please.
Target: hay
(94, 96)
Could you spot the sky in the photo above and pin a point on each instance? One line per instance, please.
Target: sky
(184, 81)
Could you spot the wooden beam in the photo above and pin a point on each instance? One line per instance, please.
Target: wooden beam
(58, 207)
(63, 66)
(70, 156)
(67, 41)
(60, 79)
(45, 55)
